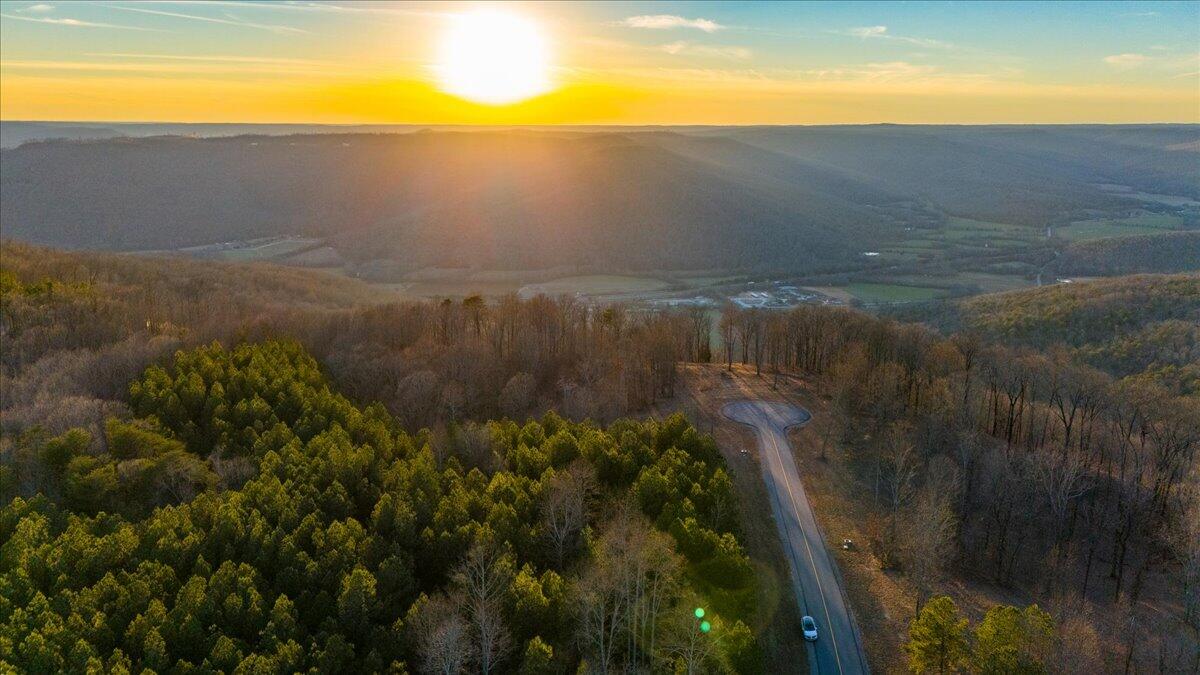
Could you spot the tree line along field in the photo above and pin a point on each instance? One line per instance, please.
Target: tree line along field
(884, 293)
(951, 257)
(1044, 441)
(1143, 223)
(966, 257)
(923, 264)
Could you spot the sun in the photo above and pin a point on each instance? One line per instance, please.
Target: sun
(493, 57)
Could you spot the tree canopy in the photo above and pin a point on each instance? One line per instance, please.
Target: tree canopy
(248, 518)
(1008, 640)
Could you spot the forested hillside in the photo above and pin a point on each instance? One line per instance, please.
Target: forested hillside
(78, 327)
(1029, 175)
(207, 442)
(333, 487)
(1167, 252)
(246, 518)
(498, 200)
(1079, 313)
(797, 199)
(1027, 469)
(1145, 326)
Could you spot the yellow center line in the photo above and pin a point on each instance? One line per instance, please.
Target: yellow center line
(791, 552)
(808, 547)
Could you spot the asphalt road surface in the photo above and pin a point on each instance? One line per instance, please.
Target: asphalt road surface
(838, 648)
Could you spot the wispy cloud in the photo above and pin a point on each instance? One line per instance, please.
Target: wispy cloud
(77, 23)
(669, 21)
(149, 67)
(1172, 64)
(1126, 61)
(868, 31)
(890, 71)
(378, 8)
(881, 33)
(229, 20)
(685, 48)
(213, 58)
(291, 6)
(1164, 61)
(38, 8)
(891, 75)
(676, 48)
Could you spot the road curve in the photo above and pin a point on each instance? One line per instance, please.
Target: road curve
(838, 649)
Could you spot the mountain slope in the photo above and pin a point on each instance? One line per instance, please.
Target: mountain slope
(451, 199)
(1144, 325)
(1029, 175)
(803, 199)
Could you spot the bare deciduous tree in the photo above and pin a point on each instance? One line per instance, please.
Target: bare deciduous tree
(632, 581)
(1183, 539)
(232, 471)
(441, 635)
(565, 507)
(899, 470)
(418, 397)
(692, 650)
(602, 615)
(482, 577)
(1061, 479)
(517, 395)
(472, 444)
(930, 542)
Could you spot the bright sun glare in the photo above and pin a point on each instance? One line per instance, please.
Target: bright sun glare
(493, 57)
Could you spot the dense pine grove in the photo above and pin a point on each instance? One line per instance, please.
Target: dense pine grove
(319, 535)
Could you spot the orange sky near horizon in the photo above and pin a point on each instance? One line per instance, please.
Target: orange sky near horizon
(693, 63)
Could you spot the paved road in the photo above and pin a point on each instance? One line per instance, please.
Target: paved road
(838, 649)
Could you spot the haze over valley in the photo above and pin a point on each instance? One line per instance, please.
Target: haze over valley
(829, 206)
(597, 338)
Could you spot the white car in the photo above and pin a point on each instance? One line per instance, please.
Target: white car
(810, 628)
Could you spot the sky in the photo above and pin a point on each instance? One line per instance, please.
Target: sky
(345, 62)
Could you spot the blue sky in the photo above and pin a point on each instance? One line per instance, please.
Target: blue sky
(627, 62)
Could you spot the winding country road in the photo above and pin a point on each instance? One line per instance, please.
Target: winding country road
(838, 649)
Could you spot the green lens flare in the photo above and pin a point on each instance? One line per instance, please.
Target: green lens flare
(705, 627)
(699, 612)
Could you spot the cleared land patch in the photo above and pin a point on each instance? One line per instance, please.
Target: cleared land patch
(878, 293)
(1143, 223)
(596, 284)
(267, 248)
